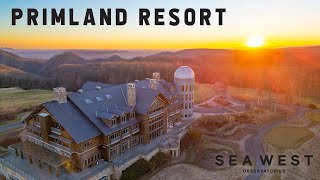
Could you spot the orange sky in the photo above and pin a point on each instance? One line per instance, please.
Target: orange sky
(280, 24)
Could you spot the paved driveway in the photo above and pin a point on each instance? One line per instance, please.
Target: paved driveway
(253, 145)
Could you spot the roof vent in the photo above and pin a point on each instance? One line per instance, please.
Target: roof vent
(136, 80)
(88, 101)
(147, 78)
(80, 91)
(98, 87)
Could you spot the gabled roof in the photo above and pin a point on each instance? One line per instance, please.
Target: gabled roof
(145, 97)
(72, 120)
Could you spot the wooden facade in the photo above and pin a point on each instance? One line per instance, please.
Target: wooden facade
(45, 131)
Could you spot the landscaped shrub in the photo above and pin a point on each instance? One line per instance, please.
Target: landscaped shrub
(159, 159)
(312, 106)
(136, 170)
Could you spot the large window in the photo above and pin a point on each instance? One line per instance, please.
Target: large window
(125, 146)
(156, 127)
(113, 151)
(135, 141)
(182, 88)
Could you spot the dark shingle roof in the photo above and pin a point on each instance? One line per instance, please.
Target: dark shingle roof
(81, 115)
(89, 85)
(162, 86)
(76, 123)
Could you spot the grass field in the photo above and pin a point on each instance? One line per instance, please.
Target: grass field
(15, 100)
(15, 97)
(313, 116)
(288, 137)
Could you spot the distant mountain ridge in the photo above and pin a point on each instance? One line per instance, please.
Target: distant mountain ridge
(87, 54)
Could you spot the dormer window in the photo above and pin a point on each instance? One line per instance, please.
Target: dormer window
(113, 122)
(132, 115)
(123, 119)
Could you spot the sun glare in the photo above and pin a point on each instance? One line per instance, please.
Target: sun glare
(255, 41)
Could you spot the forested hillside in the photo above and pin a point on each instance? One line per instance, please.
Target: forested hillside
(287, 70)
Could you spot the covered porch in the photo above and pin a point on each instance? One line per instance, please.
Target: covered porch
(41, 156)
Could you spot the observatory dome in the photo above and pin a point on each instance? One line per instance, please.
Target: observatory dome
(184, 72)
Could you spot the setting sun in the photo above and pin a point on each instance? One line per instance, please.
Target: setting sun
(255, 41)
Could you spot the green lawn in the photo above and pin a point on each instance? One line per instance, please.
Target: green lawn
(287, 137)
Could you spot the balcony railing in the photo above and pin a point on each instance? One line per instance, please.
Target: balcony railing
(125, 135)
(115, 140)
(135, 130)
(56, 130)
(51, 146)
(37, 124)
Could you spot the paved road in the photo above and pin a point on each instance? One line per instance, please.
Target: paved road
(253, 145)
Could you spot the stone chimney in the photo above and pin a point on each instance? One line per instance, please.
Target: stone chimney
(156, 76)
(153, 84)
(60, 94)
(131, 94)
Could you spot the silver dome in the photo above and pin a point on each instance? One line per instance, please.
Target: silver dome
(184, 72)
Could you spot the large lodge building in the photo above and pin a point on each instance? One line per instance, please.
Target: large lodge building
(103, 121)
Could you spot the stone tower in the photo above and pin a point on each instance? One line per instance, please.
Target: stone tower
(60, 94)
(131, 90)
(184, 80)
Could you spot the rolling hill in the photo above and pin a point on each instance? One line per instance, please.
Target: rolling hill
(60, 59)
(15, 61)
